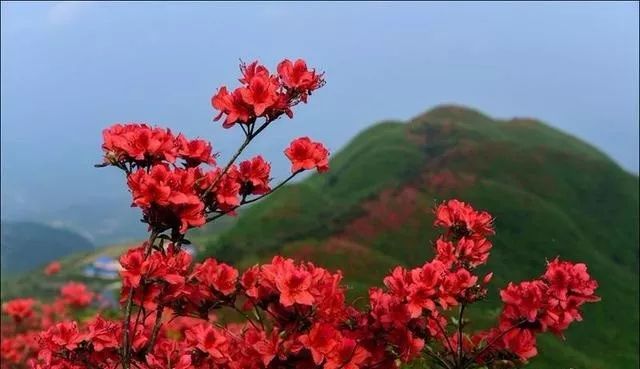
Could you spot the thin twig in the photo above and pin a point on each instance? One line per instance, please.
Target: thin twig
(245, 316)
(444, 333)
(244, 202)
(156, 329)
(460, 317)
(492, 342)
(126, 347)
(250, 135)
(440, 361)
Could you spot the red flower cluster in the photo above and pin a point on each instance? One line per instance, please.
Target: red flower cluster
(282, 314)
(254, 176)
(461, 220)
(76, 294)
(266, 95)
(21, 341)
(306, 154)
(178, 196)
(550, 303)
(464, 243)
(19, 309)
(295, 314)
(142, 145)
(95, 345)
(181, 198)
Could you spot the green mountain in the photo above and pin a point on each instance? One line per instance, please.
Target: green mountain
(551, 195)
(29, 245)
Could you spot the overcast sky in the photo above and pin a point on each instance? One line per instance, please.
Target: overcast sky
(70, 68)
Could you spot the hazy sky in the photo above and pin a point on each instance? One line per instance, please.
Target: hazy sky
(69, 69)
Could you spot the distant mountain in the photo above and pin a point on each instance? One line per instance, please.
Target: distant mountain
(551, 194)
(104, 220)
(33, 284)
(29, 245)
(74, 263)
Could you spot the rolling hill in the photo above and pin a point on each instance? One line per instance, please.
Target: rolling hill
(551, 195)
(28, 245)
(35, 284)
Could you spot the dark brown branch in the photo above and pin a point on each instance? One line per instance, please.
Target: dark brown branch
(244, 202)
(156, 329)
(126, 347)
(460, 326)
(250, 135)
(476, 355)
(438, 359)
(446, 337)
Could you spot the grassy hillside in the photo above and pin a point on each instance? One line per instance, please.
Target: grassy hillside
(551, 195)
(27, 245)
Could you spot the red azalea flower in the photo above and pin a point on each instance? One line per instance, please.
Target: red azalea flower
(306, 154)
(252, 70)
(454, 283)
(19, 309)
(348, 355)
(462, 220)
(387, 309)
(76, 294)
(227, 191)
(474, 251)
(523, 300)
(293, 285)
(296, 76)
(398, 282)
(261, 93)
(321, 340)
(267, 348)
(568, 279)
(254, 174)
(231, 104)
(521, 342)
(219, 276)
(151, 187)
(190, 213)
(62, 335)
(132, 263)
(409, 346)
(195, 152)
(103, 334)
(208, 339)
(52, 268)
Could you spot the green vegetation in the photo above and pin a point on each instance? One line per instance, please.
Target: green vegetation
(551, 195)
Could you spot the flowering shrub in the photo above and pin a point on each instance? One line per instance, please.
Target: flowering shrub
(281, 314)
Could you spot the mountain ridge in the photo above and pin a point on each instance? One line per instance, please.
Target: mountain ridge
(552, 195)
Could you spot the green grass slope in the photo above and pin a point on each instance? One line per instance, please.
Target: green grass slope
(551, 194)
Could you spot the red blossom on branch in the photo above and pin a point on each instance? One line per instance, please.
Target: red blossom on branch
(284, 313)
(306, 154)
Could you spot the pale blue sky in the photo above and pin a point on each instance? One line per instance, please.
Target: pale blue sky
(69, 69)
